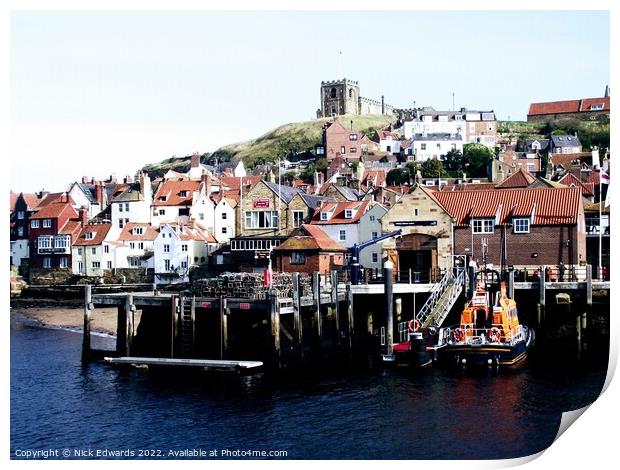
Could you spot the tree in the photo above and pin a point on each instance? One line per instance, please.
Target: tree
(397, 176)
(384, 159)
(432, 168)
(453, 160)
(476, 158)
(319, 165)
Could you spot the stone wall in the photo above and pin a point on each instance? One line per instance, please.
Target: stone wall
(131, 276)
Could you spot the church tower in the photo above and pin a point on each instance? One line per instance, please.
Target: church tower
(339, 97)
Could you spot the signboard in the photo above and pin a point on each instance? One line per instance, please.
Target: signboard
(415, 223)
(261, 203)
(244, 306)
(205, 304)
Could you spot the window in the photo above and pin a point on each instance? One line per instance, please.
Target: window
(372, 218)
(352, 137)
(45, 242)
(342, 235)
(20, 231)
(163, 198)
(224, 216)
(109, 265)
(138, 230)
(47, 262)
(416, 212)
(89, 235)
(94, 251)
(596, 107)
(332, 93)
(183, 194)
(183, 264)
(184, 211)
(126, 207)
(343, 150)
(132, 245)
(261, 219)
(482, 226)
(80, 267)
(134, 262)
(21, 214)
(184, 247)
(64, 262)
(141, 245)
(34, 224)
(521, 225)
(224, 230)
(375, 235)
(324, 216)
(375, 257)
(121, 223)
(61, 241)
(166, 265)
(298, 218)
(298, 258)
(201, 216)
(162, 211)
(348, 214)
(422, 146)
(120, 207)
(96, 264)
(166, 248)
(438, 146)
(353, 150)
(80, 251)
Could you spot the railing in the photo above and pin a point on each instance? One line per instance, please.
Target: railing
(481, 336)
(448, 284)
(556, 273)
(406, 276)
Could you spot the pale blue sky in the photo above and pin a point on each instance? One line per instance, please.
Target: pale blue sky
(100, 92)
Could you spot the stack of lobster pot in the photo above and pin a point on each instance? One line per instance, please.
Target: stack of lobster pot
(250, 286)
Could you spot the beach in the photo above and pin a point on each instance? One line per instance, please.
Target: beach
(103, 319)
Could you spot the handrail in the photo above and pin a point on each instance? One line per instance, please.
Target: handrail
(448, 283)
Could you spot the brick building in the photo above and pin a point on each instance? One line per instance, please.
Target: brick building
(309, 250)
(586, 108)
(340, 141)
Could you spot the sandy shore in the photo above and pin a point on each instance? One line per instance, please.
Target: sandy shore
(103, 319)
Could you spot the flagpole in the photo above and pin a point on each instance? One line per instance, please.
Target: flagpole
(600, 224)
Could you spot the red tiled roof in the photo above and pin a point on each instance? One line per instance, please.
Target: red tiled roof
(551, 206)
(233, 182)
(72, 227)
(337, 212)
(567, 160)
(99, 231)
(568, 106)
(374, 177)
(193, 231)
(570, 180)
(55, 210)
(149, 233)
(13, 200)
(316, 239)
(171, 190)
(519, 179)
(52, 197)
(383, 135)
(31, 200)
(466, 186)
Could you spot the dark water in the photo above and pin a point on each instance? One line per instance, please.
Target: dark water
(57, 404)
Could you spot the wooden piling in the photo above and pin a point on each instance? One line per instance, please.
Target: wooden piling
(130, 310)
(297, 324)
(334, 284)
(389, 307)
(223, 327)
(316, 304)
(541, 297)
(174, 305)
(350, 315)
(511, 284)
(275, 326)
(87, 319)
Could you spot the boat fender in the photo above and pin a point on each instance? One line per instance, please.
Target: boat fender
(494, 335)
(413, 326)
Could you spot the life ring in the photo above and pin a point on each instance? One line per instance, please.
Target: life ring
(494, 335)
(413, 325)
(458, 335)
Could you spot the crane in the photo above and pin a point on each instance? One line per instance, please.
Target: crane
(356, 271)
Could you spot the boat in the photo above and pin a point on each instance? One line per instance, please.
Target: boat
(417, 348)
(489, 332)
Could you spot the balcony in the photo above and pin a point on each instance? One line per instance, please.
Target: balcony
(594, 228)
(56, 245)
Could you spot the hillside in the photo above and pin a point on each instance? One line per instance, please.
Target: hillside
(286, 139)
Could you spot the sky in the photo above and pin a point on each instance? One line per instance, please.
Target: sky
(96, 93)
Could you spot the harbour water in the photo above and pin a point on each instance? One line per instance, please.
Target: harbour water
(56, 404)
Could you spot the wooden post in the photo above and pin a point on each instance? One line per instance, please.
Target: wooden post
(297, 324)
(583, 320)
(316, 294)
(87, 318)
(275, 325)
(409, 275)
(542, 297)
(511, 284)
(193, 320)
(130, 309)
(334, 283)
(223, 327)
(389, 306)
(174, 302)
(121, 332)
(350, 315)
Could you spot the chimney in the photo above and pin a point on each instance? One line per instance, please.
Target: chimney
(195, 160)
(145, 186)
(99, 194)
(64, 197)
(382, 105)
(113, 178)
(83, 212)
(205, 185)
(85, 180)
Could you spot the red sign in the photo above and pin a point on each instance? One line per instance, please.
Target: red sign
(205, 304)
(244, 306)
(260, 203)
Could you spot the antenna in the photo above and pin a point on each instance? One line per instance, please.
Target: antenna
(452, 101)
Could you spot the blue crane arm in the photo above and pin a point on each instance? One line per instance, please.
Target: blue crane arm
(355, 249)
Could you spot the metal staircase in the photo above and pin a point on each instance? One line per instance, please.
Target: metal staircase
(442, 298)
(188, 307)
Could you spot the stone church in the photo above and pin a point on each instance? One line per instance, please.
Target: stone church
(339, 97)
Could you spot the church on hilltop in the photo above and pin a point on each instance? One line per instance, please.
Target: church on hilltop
(339, 97)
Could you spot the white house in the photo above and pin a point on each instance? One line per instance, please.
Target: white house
(180, 201)
(341, 221)
(435, 146)
(388, 142)
(137, 240)
(85, 195)
(369, 229)
(132, 205)
(177, 248)
(94, 250)
(224, 220)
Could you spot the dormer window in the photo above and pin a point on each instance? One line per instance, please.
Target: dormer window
(596, 107)
(163, 198)
(521, 225)
(348, 214)
(482, 226)
(352, 136)
(183, 194)
(89, 235)
(138, 231)
(324, 216)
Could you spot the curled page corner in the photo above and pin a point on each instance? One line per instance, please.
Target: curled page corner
(568, 418)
